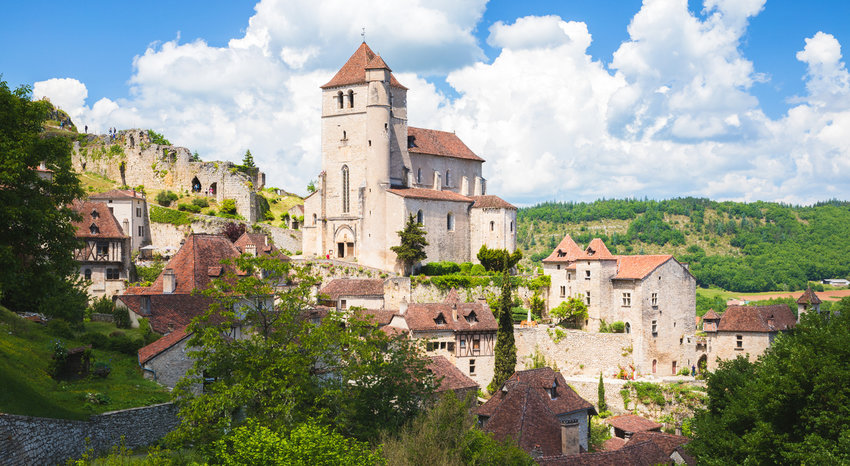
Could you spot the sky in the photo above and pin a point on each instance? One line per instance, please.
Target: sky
(566, 100)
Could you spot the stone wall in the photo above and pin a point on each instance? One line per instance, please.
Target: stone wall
(168, 235)
(26, 440)
(578, 352)
(431, 294)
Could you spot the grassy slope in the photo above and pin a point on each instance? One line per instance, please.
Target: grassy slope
(25, 353)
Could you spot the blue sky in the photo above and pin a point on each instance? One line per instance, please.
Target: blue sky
(726, 99)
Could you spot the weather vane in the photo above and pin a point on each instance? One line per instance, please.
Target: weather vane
(363, 34)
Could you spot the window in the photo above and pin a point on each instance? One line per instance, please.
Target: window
(345, 188)
(442, 345)
(739, 342)
(674, 367)
(94, 229)
(627, 299)
(343, 304)
(587, 274)
(350, 99)
(655, 328)
(512, 225)
(440, 320)
(339, 98)
(471, 318)
(87, 274)
(95, 214)
(628, 327)
(654, 365)
(450, 346)
(654, 299)
(112, 274)
(450, 222)
(587, 297)
(419, 217)
(419, 175)
(558, 266)
(141, 231)
(448, 178)
(476, 343)
(471, 367)
(139, 209)
(314, 219)
(563, 291)
(462, 344)
(102, 249)
(492, 225)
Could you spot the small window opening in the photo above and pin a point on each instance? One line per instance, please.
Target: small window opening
(350, 99)
(339, 98)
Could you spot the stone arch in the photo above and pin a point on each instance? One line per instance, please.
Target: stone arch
(196, 185)
(628, 327)
(702, 364)
(213, 189)
(350, 98)
(345, 241)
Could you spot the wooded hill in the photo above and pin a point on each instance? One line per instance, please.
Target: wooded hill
(758, 246)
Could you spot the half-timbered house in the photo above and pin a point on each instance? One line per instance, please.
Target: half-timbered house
(104, 257)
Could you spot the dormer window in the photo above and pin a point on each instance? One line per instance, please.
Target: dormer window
(553, 390)
(94, 229)
(440, 320)
(561, 253)
(411, 141)
(94, 214)
(471, 318)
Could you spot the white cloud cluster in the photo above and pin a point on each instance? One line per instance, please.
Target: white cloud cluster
(672, 114)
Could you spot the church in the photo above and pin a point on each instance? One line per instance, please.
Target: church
(377, 170)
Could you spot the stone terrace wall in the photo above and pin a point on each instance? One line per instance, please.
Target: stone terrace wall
(26, 440)
(431, 294)
(578, 352)
(168, 235)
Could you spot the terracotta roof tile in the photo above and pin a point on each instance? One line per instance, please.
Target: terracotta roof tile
(452, 377)
(643, 453)
(808, 297)
(423, 193)
(377, 63)
(354, 70)
(97, 215)
(118, 194)
(434, 142)
(566, 401)
(667, 442)
(614, 443)
(146, 353)
(710, 315)
(262, 243)
(491, 202)
(381, 317)
(566, 251)
(632, 423)
(638, 267)
(524, 415)
(596, 250)
(470, 317)
(341, 287)
(757, 319)
(167, 311)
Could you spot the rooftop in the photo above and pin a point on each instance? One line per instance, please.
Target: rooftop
(146, 353)
(97, 221)
(771, 318)
(354, 70)
(342, 287)
(440, 316)
(632, 423)
(434, 142)
(451, 377)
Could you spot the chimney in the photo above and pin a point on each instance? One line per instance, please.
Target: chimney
(169, 281)
(251, 249)
(454, 312)
(569, 437)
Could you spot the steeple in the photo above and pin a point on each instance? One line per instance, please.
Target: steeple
(354, 70)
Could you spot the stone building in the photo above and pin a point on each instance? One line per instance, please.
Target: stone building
(808, 301)
(653, 295)
(377, 171)
(130, 208)
(743, 330)
(133, 159)
(540, 412)
(105, 257)
(451, 378)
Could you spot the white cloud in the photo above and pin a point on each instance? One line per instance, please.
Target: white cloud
(65, 93)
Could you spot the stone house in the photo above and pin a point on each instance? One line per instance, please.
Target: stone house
(653, 295)
(808, 301)
(257, 244)
(451, 378)
(105, 256)
(744, 330)
(165, 360)
(130, 208)
(540, 412)
(295, 217)
(377, 171)
(344, 293)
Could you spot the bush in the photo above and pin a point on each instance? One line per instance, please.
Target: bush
(440, 268)
(174, 217)
(189, 208)
(122, 317)
(60, 328)
(228, 207)
(103, 305)
(165, 198)
(148, 274)
(200, 202)
(97, 340)
(477, 269)
(268, 215)
(124, 344)
(685, 371)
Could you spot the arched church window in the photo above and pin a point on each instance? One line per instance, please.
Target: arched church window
(345, 188)
(339, 98)
(350, 99)
(492, 225)
(450, 222)
(419, 217)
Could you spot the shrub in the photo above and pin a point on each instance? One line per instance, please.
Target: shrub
(165, 198)
(211, 212)
(228, 207)
(618, 327)
(122, 317)
(124, 344)
(150, 273)
(440, 268)
(97, 340)
(268, 215)
(685, 371)
(189, 208)
(174, 217)
(200, 202)
(477, 269)
(103, 305)
(60, 328)
(465, 267)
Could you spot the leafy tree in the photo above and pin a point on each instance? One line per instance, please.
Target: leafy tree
(537, 305)
(38, 272)
(311, 186)
(157, 138)
(412, 247)
(789, 407)
(195, 157)
(571, 312)
(600, 392)
(446, 434)
(248, 159)
(498, 259)
(505, 350)
(228, 207)
(287, 368)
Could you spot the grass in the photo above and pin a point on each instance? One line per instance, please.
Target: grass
(93, 182)
(279, 204)
(27, 389)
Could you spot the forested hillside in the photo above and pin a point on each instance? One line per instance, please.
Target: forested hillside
(737, 246)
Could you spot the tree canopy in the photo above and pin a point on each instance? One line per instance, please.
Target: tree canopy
(248, 159)
(412, 247)
(505, 349)
(38, 272)
(571, 312)
(792, 406)
(498, 259)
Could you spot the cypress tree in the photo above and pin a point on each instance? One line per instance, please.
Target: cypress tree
(603, 406)
(505, 344)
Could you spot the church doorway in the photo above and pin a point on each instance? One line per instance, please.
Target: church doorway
(344, 240)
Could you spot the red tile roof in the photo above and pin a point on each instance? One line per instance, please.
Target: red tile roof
(146, 353)
(261, 242)
(491, 202)
(667, 442)
(614, 443)
(596, 250)
(354, 70)
(631, 423)
(118, 194)
(566, 400)
(167, 311)
(757, 319)
(377, 63)
(643, 453)
(524, 415)
(638, 267)
(434, 142)
(710, 315)
(471, 317)
(808, 297)
(381, 317)
(341, 287)
(96, 214)
(433, 194)
(452, 377)
(566, 251)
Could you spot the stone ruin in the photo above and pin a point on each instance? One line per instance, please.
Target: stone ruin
(131, 158)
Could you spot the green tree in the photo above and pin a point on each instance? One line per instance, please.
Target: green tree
(157, 138)
(498, 259)
(38, 272)
(505, 350)
(412, 247)
(789, 407)
(571, 313)
(286, 368)
(600, 392)
(248, 159)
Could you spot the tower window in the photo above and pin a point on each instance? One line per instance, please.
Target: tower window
(587, 297)
(492, 225)
(419, 218)
(419, 175)
(350, 99)
(344, 135)
(450, 222)
(448, 178)
(339, 98)
(345, 188)
(512, 225)
(314, 219)
(627, 299)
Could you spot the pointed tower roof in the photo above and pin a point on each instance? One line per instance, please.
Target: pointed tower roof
(567, 251)
(377, 63)
(711, 315)
(808, 297)
(597, 250)
(354, 70)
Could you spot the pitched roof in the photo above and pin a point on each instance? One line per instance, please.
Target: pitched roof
(643, 453)
(97, 215)
(667, 442)
(596, 250)
(490, 201)
(470, 316)
(261, 242)
(354, 70)
(757, 318)
(566, 251)
(433, 194)
(808, 297)
(118, 194)
(381, 317)
(614, 443)
(146, 353)
(540, 380)
(452, 377)
(442, 143)
(638, 267)
(167, 311)
(632, 423)
(341, 287)
(710, 315)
